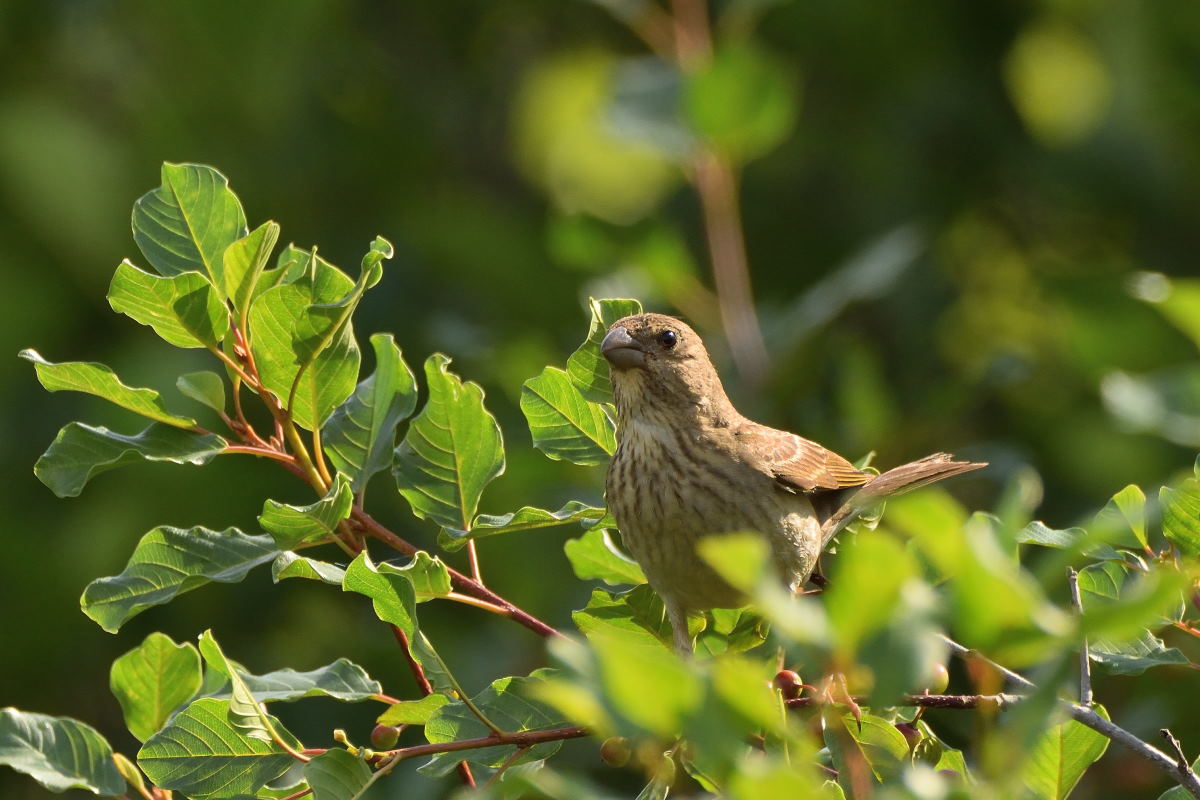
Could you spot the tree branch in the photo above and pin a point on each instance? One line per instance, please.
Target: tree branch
(1085, 659)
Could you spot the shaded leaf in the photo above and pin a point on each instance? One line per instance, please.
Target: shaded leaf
(524, 519)
(245, 712)
(290, 525)
(202, 754)
(342, 680)
(58, 752)
(152, 680)
(1130, 504)
(185, 310)
(203, 387)
(338, 774)
(1181, 515)
(452, 451)
(1075, 539)
(566, 426)
(1061, 756)
(289, 565)
(101, 381)
(1135, 656)
(874, 748)
(80, 452)
(243, 263)
(168, 562)
(186, 223)
(586, 366)
(595, 556)
(361, 435)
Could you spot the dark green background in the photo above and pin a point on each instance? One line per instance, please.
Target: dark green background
(1014, 246)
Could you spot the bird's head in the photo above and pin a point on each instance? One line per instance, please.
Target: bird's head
(659, 362)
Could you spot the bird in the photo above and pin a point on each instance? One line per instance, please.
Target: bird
(689, 465)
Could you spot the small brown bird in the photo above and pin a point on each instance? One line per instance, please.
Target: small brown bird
(689, 465)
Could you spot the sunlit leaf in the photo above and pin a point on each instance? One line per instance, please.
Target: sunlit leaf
(413, 712)
(58, 752)
(183, 309)
(81, 452)
(563, 423)
(152, 680)
(243, 264)
(186, 223)
(1060, 757)
(101, 381)
(1130, 504)
(289, 565)
(245, 712)
(1134, 656)
(865, 589)
(360, 436)
(586, 367)
(429, 577)
(1076, 539)
(524, 519)
(293, 525)
(1181, 515)
(168, 562)
(342, 680)
(452, 451)
(594, 556)
(203, 755)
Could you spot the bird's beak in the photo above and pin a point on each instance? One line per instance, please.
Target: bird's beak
(621, 351)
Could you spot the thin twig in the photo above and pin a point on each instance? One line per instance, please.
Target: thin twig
(1181, 759)
(519, 738)
(1085, 660)
(949, 701)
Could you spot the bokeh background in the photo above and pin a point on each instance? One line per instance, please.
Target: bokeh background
(970, 226)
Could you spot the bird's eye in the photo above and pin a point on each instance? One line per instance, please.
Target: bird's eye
(668, 339)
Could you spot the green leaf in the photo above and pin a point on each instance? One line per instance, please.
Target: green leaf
(152, 680)
(243, 264)
(1135, 656)
(337, 774)
(594, 556)
(586, 366)
(865, 591)
(58, 752)
(637, 615)
(202, 754)
(1060, 757)
(186, 223)
(452, 450)
(732, 630)
(428, 575)
(203, 387)
(875, 741)
(1130, 504)
(507, 703)
(1075, 539)
(245, 712)
(361, 434)
(81, 452)
(413, 712)
(527, 518)
(183, 309)
(168, 562)
(741, 559)
(304, 344)
(645, 682)
(289, 565)
(1119, 601)
(1181, 515)
(342, 680)
(290, 526)
(565, 426)
(743, 102)
(101, 381)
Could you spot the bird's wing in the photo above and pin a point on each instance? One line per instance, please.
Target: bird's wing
(796, 463)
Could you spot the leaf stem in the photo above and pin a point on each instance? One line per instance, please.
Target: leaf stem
(473, 559)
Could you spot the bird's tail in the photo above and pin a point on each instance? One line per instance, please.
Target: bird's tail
(903, 478)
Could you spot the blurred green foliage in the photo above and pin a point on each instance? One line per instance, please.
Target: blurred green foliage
(963, 222)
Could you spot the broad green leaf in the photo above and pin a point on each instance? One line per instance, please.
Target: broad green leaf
(413, 712)
(184, 309)
(245, 712)
(81, 452)
(304, 345)
(1135, 656)
(564, 425)
(732, 630)
(865, 590)
(338, 774)
(874, 743)
(243, 264)
(527, 518)
(101, 381)
(586, 366)
(741, 559)
(168, 562)
(289, 565)
(1060, 757)
(637, 615)
(1119, 602)
(428, 575)
(58, 752)
(646, 682)
(290, 526)
(186, 223)
(1181, 515)
(1073, 539)
(203, 387)
(594, 556)
(361, 435)
(452, 451)
(1130, 504)
(394, 600)
(508, 704)
(342, 680)
(152, 680)
(742, 102)
(203, 755)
